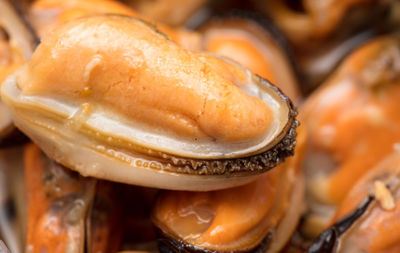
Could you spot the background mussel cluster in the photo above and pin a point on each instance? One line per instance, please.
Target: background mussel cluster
(337, 60)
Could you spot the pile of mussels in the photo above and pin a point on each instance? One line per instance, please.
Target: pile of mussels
(199, 126)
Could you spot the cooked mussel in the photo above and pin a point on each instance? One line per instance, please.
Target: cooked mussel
(16, 46)
(257, 217)
(323, 32)
(254, 43)
(371, 208)
(112, 97)
(353, 123)
(58, 202)
(309, 21)
(330, 239)
(46, 15)
(71, 213)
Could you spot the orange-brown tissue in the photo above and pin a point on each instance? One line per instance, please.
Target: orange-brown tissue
(127, 65)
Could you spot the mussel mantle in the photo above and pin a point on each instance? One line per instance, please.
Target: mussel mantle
(112, 97)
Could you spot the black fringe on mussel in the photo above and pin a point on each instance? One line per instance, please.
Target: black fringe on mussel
(329, 239)
(168, 244)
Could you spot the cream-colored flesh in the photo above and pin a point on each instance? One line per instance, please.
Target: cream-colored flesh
(198, 222)
(90, 157)
(119, 129)
(116, 166)
(289, 222)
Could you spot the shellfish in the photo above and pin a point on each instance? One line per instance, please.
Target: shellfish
(323, 33)
(57, 224)
(112, 97)
(371, 210)
(46, 15)
(308, 21)
(16, 47)
(353, 121)
(247, 39)
(257, 217)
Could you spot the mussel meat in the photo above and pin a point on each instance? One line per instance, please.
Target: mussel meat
(353, 122)
(113, 97)
(247, 39)
(258, 217)
(375, 199)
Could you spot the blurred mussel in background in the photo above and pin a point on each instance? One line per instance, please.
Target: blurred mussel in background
(78, 214)
(250, 40)
(322, 33)
(353, 126)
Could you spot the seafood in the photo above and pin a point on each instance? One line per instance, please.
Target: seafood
(46, 15)
(75, 214)
(16, 46)
(247, 40)
(120, 97)
(307, 21)
(329, 240)
(57, 223)
(375, 227)
(322, 33)
(354, 123)
(316, 65)
(257, 217)
(225, 134)
(83, 214)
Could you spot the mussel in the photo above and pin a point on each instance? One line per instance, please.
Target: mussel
(309, 21)
(16, 46)
(113, 97)
(258, 217)
(371, 209)
(251, 41)
(58, 202)
(68, 212)
(45, 15)
(323, 32)
(353, 123)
